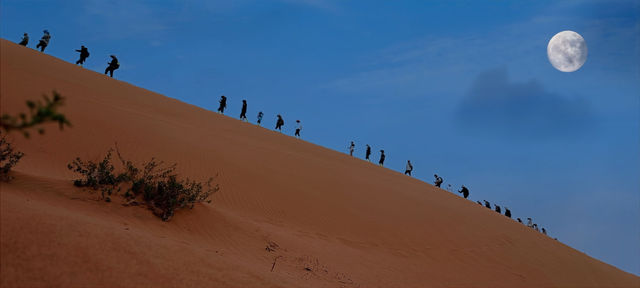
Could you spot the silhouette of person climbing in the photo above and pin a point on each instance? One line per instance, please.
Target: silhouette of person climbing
(260, 114)
(519, 220)
(368, 153)
(544, 231)
(529, 222)
(279, 123)
(84, 54)
(113, 66)
(479, 203)
(498, 209)
(25, 40)
(381, 162)
(298, 128)
(223, 104)
(438, 180)
(487, 204)
(465, 192)
(243, 112)
(352, 147)
(507, 212)
(44, 41)
(408, 169)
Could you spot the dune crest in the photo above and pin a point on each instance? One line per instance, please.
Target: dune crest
(289, 214)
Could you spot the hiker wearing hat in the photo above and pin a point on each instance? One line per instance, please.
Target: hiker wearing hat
(25, 40)
(113, 65)
(84, 53)
(44, 41)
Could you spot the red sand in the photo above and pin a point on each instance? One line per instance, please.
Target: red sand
(351, 223)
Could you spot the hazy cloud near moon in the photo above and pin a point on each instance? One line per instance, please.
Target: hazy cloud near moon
(496, 106)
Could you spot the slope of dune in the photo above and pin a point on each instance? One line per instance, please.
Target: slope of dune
(330, 220)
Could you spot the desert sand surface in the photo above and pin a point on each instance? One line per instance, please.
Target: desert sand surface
(330, 220)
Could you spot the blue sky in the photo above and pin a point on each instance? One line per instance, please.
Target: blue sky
(462, 88)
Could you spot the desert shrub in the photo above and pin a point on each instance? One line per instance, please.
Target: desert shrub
(39, 113)
(8, 158)
(154, 183)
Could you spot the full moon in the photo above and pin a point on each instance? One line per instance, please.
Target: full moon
(567, 51)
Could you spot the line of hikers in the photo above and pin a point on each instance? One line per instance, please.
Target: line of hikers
(84, 52)
(243, 116)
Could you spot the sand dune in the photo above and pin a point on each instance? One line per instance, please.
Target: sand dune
(348, 222)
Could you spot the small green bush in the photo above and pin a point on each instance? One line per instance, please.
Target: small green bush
(155, 184)
(8, 158)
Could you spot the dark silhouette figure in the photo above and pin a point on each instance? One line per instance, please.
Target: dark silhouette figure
(529, 222)
(408, 169)
(44, 41)
(368, 153)
(544, 231)
(84, 54)
(382, 156)
(298, 129)
(487, 204)
(465, 192)
(113, 66)
(479, 203)
(535, 226)
(507, 212)
(243, 113)
(223, 104)
(519, 220)
(279, 123)
(438, 180)
(352, 147)
(260, 114)
(25, 40)
(498, 209)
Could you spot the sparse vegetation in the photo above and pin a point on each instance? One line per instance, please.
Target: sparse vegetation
(155, 184)
(39, 113)
(8, 158)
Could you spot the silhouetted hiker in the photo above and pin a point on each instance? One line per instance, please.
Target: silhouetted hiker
(465, 192)
(487, 204)
(25, 40)
(529, 222)
(507, 212)
(544, 231)
(279, 123)
(223, 104)
(352, 147)
(479, 203)
(498, 209)
(519, 220)
(113, 66)
(260, 114)
(44, 41)
(449, 188)
(298, 128)
(381, 162)
(368, 153)
(438, 180)
(243, 113)
(84, 53)
(408, 169)
(535, 226)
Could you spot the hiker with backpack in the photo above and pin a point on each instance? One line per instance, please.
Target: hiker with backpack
(382, 156)
(279, 123)
(113, 66)
(465, 192)
(44, 41)
(84, 54)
